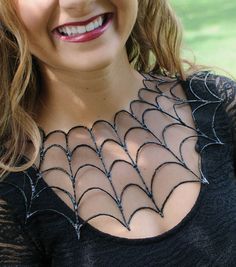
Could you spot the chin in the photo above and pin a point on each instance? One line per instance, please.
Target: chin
(92, 66)
(94, 63)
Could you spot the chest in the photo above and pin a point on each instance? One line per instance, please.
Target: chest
(135, 178)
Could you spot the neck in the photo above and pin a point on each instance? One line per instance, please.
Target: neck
(80, 98)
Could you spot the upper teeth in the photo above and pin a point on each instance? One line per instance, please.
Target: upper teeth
(73, 30)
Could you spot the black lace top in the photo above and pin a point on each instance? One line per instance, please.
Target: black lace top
(156, 187)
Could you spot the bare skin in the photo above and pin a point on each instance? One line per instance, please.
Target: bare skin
(72, 98)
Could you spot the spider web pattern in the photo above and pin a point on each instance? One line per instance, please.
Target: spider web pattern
(135, 163)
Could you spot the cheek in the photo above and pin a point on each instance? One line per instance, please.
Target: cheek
(127, 12)
(125, 4)
(34, 13)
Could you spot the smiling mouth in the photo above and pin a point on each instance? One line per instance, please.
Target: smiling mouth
(95, 24)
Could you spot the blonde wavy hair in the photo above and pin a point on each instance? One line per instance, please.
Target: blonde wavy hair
(156, 38)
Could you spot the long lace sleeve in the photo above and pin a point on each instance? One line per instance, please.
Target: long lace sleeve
(16, 248)
(227, 90)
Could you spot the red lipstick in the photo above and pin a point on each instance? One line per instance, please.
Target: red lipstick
(87, 36)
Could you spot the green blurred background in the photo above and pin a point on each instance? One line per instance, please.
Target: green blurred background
(210, 31)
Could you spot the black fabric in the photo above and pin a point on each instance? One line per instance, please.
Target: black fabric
(205, 237)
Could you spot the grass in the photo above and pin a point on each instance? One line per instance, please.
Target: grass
(210, 31)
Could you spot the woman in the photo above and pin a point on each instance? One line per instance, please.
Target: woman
(107, 159)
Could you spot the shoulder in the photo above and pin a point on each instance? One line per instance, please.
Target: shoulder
(224, 87)
(218, 88)
(16, 190)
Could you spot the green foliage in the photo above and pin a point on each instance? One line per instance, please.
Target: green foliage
(210, 31)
